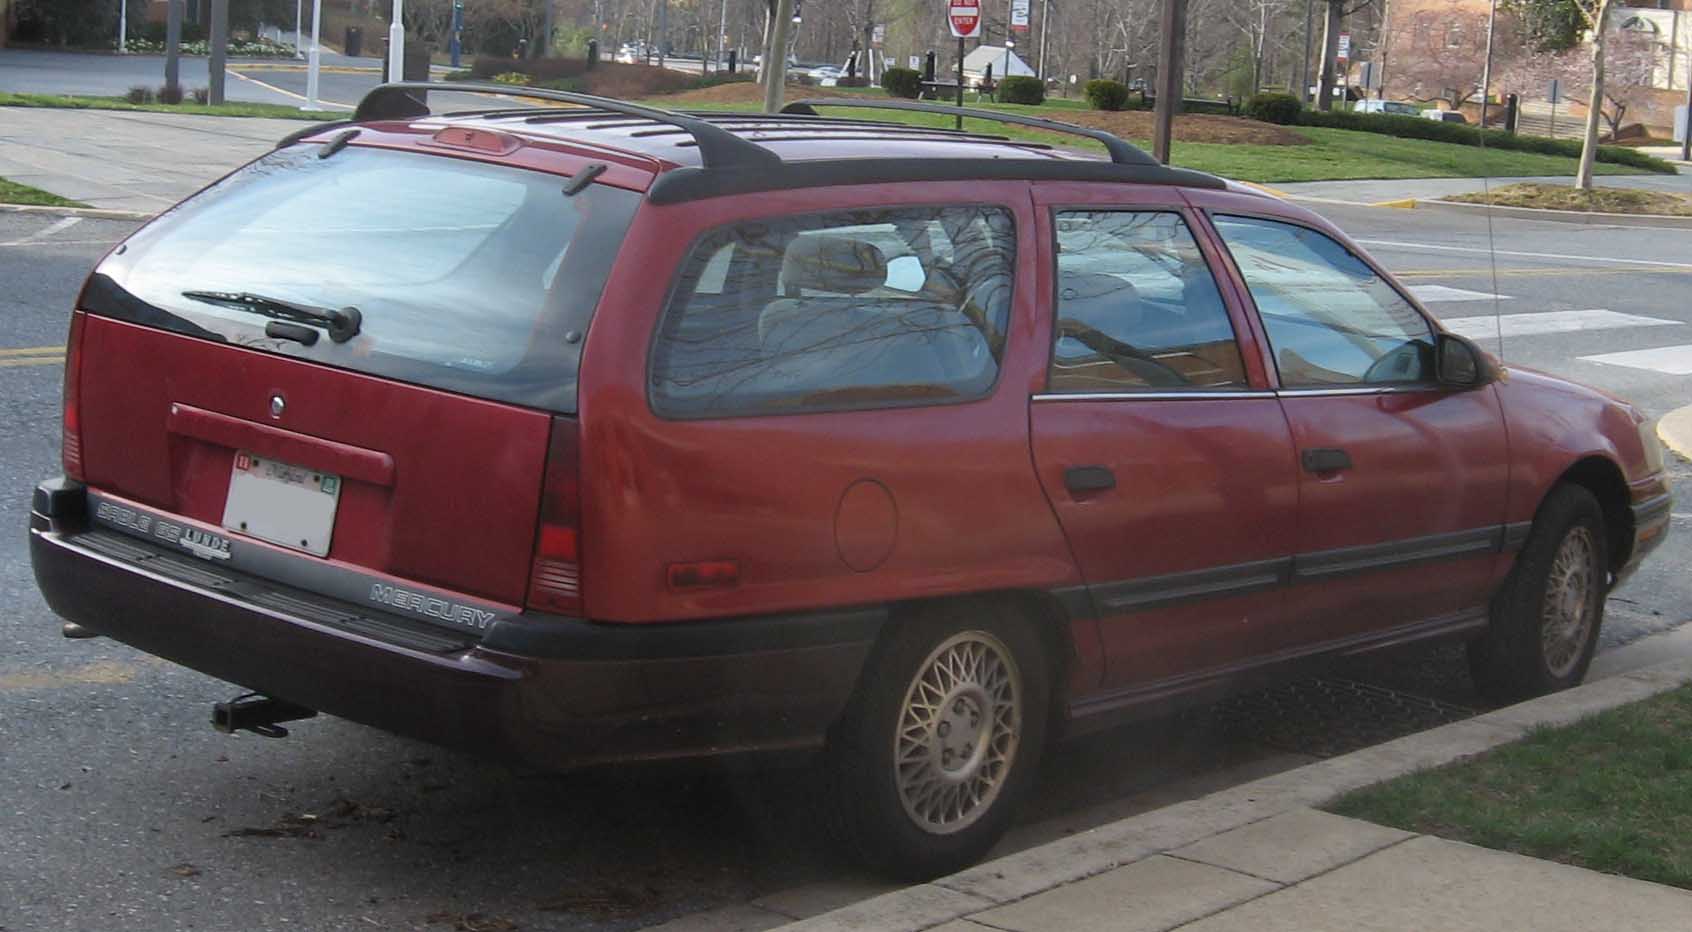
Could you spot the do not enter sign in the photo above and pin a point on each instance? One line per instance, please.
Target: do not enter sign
(965, 17)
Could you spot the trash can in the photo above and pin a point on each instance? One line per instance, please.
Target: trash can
(355, 42)
(416, 61)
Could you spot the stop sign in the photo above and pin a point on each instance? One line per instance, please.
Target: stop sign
(965, 17)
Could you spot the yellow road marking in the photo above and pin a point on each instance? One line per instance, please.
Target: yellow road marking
(1408, 203)
(33, 351)
(20, 362)
(99, 673)
(271, 87)
(1277, 192)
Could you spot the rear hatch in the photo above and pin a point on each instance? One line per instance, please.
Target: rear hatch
(357, 357)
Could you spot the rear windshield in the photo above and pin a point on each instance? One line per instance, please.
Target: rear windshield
(468, 277)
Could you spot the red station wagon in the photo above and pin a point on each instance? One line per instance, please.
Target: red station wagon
(599, 433)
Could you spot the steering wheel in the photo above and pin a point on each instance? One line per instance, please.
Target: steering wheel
(1155, 372)
(1403, 363)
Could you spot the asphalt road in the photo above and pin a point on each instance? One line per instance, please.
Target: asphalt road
(121, 808)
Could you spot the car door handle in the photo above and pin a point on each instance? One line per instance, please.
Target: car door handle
(1089, 479)
(1325, 459)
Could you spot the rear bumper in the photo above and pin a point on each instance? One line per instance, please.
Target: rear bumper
(553, 692)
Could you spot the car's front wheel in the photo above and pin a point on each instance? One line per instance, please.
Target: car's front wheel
(942, 740)
(1546, 616)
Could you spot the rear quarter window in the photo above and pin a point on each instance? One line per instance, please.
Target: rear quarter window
(838, 311)
(469, 277)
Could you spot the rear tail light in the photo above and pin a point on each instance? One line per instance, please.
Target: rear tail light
(555, 580)
(71, 443)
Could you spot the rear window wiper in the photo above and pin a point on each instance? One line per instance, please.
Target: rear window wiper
(342, 324)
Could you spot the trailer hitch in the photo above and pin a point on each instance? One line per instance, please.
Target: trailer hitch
(258, 714)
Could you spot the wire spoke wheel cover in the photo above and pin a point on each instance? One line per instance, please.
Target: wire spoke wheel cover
(960, 726)
(1566, 614)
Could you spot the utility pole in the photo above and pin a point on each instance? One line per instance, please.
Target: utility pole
(173, 44)
(219, 52)
(1686, 142)
(722, 35)
(299, 35)
(1045, 21)
(1309, 45)
(396, 40)
(314, 58)
(1172, 46)
(1486, 72)
(1330, 55)
(123, 27)
(775, 56)
(663, 29)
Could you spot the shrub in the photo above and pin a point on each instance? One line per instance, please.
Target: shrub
(572, 85)
(1105, 94)
(202, 95)
(513, 77)
(856, 80)
(169, 94)
(1022, 89)
(902, 82)
(1464, 134)
(139, 95)
(1274, 108)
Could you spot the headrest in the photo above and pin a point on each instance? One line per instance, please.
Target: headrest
(833, 264)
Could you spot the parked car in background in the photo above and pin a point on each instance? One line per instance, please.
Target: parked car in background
(1445, 116)
(1392, 107)
(579, 440)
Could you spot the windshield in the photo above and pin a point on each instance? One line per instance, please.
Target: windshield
(467, 277)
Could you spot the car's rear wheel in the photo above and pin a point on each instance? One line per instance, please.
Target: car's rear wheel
(942, 740)
(1546, 616)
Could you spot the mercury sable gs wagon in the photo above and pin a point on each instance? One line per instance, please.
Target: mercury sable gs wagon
(591, 433)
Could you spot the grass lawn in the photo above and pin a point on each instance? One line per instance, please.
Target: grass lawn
(1334, 154)
(1612, 793)
(274, 111)
(14, 193)
(1568, 197)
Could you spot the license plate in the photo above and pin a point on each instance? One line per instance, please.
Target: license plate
(282, 503)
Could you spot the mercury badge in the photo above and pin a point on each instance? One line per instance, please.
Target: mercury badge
(277, 406)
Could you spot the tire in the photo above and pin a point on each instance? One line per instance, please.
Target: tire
(1547, 614)
(938, 674)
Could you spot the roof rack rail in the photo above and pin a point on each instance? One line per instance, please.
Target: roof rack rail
(718, 148)
(1121, 151)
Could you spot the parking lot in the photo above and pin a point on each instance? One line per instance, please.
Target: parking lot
(122, 808)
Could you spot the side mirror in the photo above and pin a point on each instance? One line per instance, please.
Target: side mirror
(1459, 363)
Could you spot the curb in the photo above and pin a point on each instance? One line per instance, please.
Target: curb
(92, 213)
(1675, 431)
(1587, 218)
(1046, 867)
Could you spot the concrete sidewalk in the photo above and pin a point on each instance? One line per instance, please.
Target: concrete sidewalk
(128, 160)
(1391, 190)
(1259, 858)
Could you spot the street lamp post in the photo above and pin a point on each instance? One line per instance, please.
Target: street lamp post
(314, 58)
(1486, 73)
(299, 37)
(123, 27)
(396, 42)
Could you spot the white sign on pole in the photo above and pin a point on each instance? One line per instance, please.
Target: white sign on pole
(964, 16)
(1344, 47)
(878, 35)
(916, 62)
(1019, 15)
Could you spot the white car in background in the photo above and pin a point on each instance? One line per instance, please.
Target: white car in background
(1389, 107)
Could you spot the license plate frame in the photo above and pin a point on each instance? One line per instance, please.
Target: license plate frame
(287, 505)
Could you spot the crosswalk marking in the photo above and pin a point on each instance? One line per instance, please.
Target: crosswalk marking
(1428, 294)
(1522, 325)
(1672, 360)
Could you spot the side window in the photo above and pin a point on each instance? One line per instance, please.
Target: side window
(1331, 319)
(853, 309)
(1137, 308)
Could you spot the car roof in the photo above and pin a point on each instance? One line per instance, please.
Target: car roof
(694, 155)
